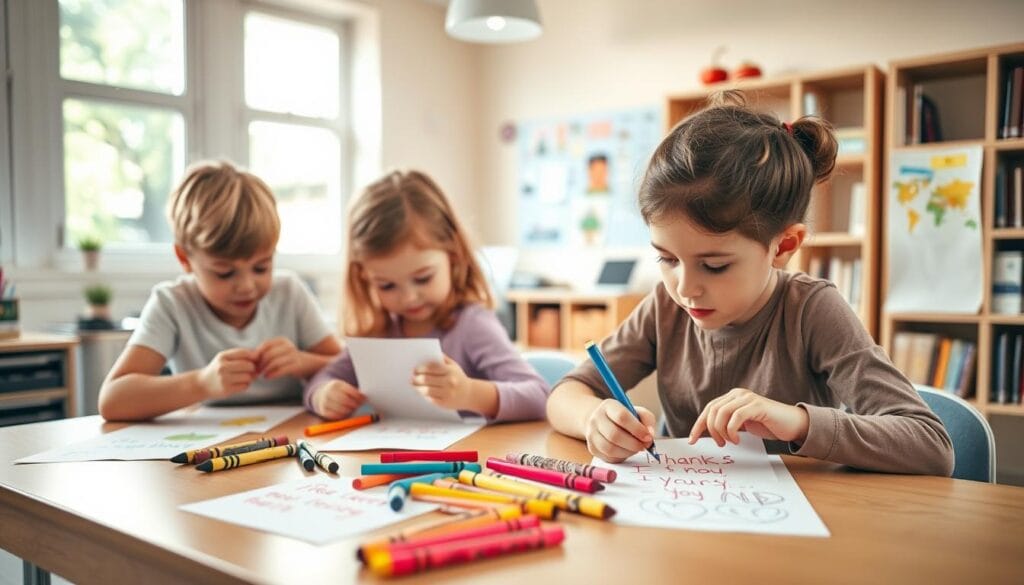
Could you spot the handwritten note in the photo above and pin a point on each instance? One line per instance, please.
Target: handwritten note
(317, 509)
(384, 368)
(252, 419)
(137, 442)
(427, 435)
(738, 488)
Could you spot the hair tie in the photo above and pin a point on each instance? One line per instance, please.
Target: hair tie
(788, 127)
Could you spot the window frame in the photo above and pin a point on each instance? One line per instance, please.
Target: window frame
(212, 105)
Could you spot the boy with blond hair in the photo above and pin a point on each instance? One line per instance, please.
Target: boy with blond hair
(230, 330)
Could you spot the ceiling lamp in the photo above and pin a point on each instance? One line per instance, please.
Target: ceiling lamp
(493, 21)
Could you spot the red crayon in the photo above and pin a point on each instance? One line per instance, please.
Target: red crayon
(403, 456)
(557, 478)
(404, 562)
(601, 474)
(500, 527)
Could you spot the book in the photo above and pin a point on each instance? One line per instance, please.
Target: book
(1016, 102)
(858, 199)
(921, 358)
(901, 352)
(1007, 280)
(1018, 193)
(970, 361)
(1004, 130)
(851, 140)
(957, 352)
(931, 129)
(942, 364)
(1012, 393)
(999, 395)
(1000, 195)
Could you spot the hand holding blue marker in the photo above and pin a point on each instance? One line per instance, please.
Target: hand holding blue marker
(613, 385)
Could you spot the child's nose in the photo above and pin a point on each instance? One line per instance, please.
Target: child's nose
(687, 287)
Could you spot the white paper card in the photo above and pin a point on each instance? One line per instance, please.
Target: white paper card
(385, 367)
(137, 442)
(317, 509)
(704, 487)
(420, 435)
(252, 419)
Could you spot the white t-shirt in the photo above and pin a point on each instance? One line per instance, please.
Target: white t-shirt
(178, 324)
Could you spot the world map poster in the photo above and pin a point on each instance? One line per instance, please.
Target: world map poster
(934, 231)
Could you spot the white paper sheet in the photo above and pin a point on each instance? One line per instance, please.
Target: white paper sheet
(704, 487)
(934, 231)
(385, 367)
(317, 509)
(137, 442)
(252, 419)
(422, 435)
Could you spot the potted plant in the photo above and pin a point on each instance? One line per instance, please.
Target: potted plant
(97, 296)
(591, 226)
(90, 247)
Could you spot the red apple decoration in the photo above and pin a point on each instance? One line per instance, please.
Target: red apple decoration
(746, 70)
(710, 75)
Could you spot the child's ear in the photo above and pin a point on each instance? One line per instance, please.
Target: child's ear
(787, 244)
(179, 252)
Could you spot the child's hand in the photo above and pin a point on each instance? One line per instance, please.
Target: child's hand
(740, 409)
(613, 433)
(337, 399)
(445, 385)
(278, 357)
(230, 372)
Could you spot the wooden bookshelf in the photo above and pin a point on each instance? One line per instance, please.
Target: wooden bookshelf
(565, 320)
(968, 87)
(851, 99)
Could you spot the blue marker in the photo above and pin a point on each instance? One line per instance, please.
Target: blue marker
(613, 385)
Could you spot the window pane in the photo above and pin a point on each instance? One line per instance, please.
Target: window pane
(138, 44)
(120, 163)
(301, 165)
(291, 67)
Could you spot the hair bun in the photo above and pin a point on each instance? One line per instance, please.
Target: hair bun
(817, 139)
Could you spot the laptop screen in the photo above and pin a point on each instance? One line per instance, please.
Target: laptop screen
(616, 272)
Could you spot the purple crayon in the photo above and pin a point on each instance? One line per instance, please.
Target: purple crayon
(599, 473)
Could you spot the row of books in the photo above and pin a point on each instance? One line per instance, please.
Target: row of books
(1010, 193)
(924, 119)
(1012, 125)
(1008, 282)
(942, 362)
(846, 274)
(1007, 379)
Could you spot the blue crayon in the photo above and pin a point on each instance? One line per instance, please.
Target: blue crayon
(613, 385)
(432, 467)
(398, 490)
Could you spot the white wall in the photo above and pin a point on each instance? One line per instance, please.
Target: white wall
(596, 55)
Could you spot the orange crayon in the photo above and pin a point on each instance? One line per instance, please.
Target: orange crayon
(340, 425)
(368, 481)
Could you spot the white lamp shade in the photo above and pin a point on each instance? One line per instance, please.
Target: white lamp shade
(493, 21)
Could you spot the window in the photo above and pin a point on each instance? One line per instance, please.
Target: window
(147, 86)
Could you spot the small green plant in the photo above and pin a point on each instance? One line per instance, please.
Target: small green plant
(89, 244)
(98, 294)
(590, 222)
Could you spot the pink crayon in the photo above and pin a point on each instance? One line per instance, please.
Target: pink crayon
(601, 474)
(500, 527)
(403, 456)
(557, 478)
(403, 562)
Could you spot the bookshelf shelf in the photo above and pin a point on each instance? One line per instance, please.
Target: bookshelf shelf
(967, 88)
(834, 240)
(845, 214)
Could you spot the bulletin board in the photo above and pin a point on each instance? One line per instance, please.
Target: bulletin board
(578, 178)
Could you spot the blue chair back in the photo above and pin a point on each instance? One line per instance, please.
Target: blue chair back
(551, 365)
(974, 447)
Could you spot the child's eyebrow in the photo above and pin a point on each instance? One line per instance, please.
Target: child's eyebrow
(711, 254)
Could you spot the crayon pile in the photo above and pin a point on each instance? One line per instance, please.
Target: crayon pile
(494, 513)
(256, 451)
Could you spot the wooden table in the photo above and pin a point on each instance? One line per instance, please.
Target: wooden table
(118, 522)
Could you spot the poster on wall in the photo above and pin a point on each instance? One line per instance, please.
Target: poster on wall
(934, 233)
(578, 178)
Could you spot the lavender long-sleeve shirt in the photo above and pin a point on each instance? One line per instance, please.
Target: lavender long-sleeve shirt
(479, 344)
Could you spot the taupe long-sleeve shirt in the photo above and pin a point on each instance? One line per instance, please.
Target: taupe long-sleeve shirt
(805, 347)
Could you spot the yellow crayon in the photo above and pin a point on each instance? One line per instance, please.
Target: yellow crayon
(233, 461)
(565, 500)
(540, 508)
